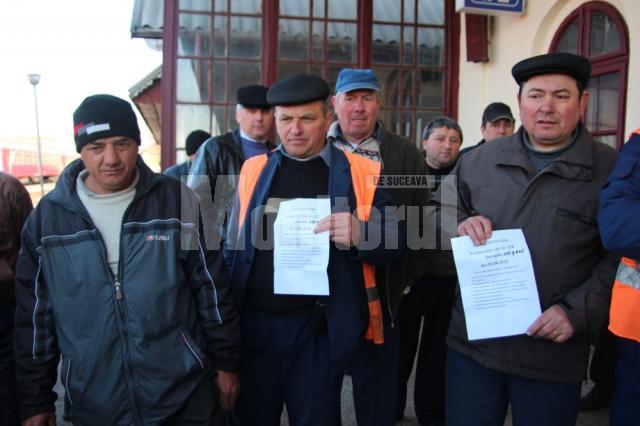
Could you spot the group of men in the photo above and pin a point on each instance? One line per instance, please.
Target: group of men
(120, 276)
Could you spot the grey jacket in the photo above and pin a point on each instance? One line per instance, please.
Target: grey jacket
(557, 210)
(136, 345)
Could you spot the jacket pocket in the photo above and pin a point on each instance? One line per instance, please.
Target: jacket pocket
(571, 214)
(192, 348)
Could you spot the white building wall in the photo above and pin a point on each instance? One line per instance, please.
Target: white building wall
(512, 38)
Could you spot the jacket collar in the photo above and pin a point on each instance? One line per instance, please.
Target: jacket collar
(576, 163)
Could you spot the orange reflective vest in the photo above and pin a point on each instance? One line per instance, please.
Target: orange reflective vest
(364, 174)
(624, 316)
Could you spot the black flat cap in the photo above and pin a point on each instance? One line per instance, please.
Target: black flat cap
(253, 96)
(298, 89)
(575, 66)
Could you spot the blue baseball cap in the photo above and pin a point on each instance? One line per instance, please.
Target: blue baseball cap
(351, 79)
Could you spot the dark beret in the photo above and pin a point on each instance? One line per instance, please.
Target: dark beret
(254, 96)
(194, 140)
(575, 66)
(298, 89)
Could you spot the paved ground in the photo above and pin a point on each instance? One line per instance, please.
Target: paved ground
(597, 418)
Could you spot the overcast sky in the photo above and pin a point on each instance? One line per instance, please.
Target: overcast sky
(80, 47)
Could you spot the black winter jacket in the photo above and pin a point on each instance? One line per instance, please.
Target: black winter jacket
(136, 345)
(219, 156)
(401, 157)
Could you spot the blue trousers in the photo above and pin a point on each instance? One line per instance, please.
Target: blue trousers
(374, 377)
(625, 406)
(479, 396)
(8, 397)
(283, 363)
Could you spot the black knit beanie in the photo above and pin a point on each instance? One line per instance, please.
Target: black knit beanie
(104, 116)
(194, 140)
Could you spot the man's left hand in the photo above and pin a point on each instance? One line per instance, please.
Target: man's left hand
(228, 386)
(343, 228)
(553, 324)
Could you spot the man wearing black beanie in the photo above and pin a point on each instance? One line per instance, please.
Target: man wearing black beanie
(113, 279)
(192, 143)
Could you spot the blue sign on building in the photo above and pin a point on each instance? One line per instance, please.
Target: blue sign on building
(490, 7)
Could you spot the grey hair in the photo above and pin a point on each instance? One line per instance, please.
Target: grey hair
(439, 122)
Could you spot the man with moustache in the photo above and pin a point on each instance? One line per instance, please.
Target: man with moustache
(544, 179)
(295, 347)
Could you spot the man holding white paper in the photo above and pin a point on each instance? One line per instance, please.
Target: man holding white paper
(544, 180)
(306, 300)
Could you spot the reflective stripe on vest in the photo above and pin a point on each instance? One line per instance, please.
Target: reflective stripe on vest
(624, 316)
(364, 173)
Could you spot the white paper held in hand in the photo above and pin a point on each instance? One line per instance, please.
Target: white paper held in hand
(497, 284)
(300, 256)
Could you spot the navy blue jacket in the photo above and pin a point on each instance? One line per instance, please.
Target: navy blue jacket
(136, 345)
(347, 311)
(620, 203)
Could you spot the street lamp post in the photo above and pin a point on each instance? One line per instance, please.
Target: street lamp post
(34, 79)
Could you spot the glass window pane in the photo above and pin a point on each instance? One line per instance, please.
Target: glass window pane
(407, 125)
(568, 43)
(409, 45)
(430, 89)
(317, 41)
(220, 42)
(246, 6)
(192, 80)
(293, 40)
(201, 5)
(286, 69)
(409, 11)
(294, 8)
(384, 10)
(602, 111)
(407, 89)
(195, 33)
(431, 48)
(189, 118)
(220, 82)
(604, 35)
(390, 119)
(318, 8)
(341, 42)
(232, 124)
(242, 74)
(246, 37)
(386, 44)
(388, 80)
(220, 5)
(341, 9)
(431, 12)
(181, 155)
(218, 120)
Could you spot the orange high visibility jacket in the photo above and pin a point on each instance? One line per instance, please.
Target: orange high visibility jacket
(624, 316)
(363, 173)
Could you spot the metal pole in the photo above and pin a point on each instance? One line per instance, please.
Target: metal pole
(35, 98)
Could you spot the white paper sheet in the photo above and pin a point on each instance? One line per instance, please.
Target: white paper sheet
(301, 257)
(497, 283)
